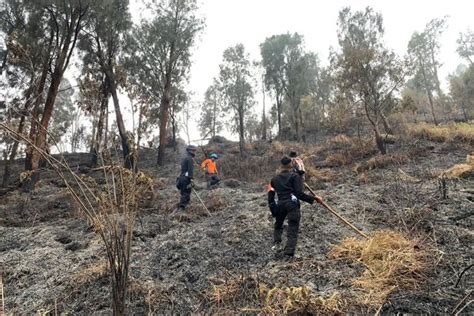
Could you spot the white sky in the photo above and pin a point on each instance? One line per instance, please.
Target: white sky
(229, 22)
(250, 21)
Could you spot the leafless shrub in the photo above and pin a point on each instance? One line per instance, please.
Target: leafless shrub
(111, 209)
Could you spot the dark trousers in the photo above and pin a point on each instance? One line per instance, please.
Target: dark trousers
(212, 179)
(185, 194)
(290, 210)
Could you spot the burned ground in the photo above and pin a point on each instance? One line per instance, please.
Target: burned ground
(52, 259)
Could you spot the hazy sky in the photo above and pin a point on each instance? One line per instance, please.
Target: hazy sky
(250, 21)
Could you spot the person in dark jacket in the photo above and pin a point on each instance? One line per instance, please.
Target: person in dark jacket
(185, 180)
(288, 187)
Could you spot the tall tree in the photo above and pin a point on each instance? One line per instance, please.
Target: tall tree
(102, 45)
(364, 68)
(289, 73)
(164, 47)
(461, 86)
(210, 121)
(236, 80)
(62, 21)
(423, 50)
(466, 46)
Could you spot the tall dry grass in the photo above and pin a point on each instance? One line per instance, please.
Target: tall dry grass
(391, 261)
(459, 132)
(111, 209)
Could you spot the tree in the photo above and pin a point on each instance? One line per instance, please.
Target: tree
(210, 121)
(61, 21)
(466, 46)
(423, 50)
(102, 45)
(163, 46)
(364, 68)
(94, 101)
(236, 80)
(289, 72)
(461, 86)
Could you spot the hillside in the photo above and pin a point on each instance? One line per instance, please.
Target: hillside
(53, 262)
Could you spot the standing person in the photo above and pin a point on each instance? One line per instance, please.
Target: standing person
(185, 180)
(210, 167)
(288, 186)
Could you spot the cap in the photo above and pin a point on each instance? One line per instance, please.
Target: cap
(191, 148)
(285, 161)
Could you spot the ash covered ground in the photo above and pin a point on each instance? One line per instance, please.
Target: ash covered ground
(53, 261)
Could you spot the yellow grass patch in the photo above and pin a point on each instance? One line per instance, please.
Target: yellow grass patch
(461, 132)
(380, 161)
(392, 261)
(463, 170)
(297, 300)
(90, 274)
(323, 175)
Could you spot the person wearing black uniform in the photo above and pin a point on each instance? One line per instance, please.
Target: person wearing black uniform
(288, 186)
(185, 180)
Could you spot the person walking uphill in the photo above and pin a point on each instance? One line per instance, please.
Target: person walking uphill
(185, 181)
(288, 186)
(210, 167)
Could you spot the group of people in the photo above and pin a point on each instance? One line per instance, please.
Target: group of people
(285, 192)
(185, 181)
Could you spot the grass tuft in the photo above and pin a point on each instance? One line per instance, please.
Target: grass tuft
(392, 261)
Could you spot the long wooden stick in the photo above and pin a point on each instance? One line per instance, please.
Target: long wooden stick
(207, 210)
(345, 221)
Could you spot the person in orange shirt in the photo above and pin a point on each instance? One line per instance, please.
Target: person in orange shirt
(210, 167)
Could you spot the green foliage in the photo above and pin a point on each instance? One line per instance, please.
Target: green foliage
(210, 121)
(466, 46)
(364, 56)
(289, 72)
(461, 85)
(237, 85)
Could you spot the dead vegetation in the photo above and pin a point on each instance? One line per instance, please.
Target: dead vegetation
(380, 162)
(461, 132)
(464, 170)
(89, 274)
(247, 294)
(391, 260)
(298, 300)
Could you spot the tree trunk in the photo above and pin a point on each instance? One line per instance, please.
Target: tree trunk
(13, 153)
(140, 123)
(241, 132)
(173, 124)
(386, 124)
(279, 101)
(430, 99)
(164, 114)
(464, 112)
(264, 120)
(303, 130)
(97, 141)
(129, 161)
(379, 141)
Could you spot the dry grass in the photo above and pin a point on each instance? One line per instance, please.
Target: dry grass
(90, 274)
(461, 132)
(322, 175)
(237, 290)
(392, 261)
(297, 300)
(380, 161)
(226, 291)
(465, 170)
